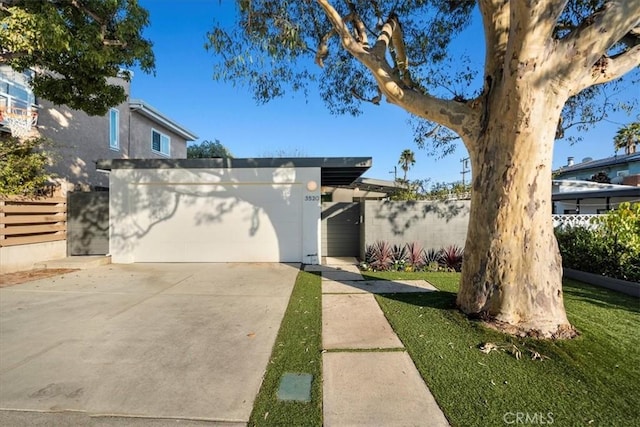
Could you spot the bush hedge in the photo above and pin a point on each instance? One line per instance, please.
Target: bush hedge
(610, 248)
(23, 165)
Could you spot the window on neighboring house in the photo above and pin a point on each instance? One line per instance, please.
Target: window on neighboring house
(160, 142)
(114, 129)
(16, 95)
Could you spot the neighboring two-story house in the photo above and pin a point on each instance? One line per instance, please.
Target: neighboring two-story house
(133, 129)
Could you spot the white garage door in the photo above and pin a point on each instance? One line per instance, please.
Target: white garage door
(217, 222)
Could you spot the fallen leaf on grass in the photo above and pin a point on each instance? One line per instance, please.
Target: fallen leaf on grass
(512, 349)
(537, 356)
(515, 351)
(488, 347)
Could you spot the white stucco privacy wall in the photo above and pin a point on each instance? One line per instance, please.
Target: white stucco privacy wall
(215, 215)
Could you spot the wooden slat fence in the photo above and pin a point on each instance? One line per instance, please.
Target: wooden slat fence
(38, 220)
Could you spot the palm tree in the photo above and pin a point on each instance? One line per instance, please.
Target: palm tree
(627, 137)
(407, 159)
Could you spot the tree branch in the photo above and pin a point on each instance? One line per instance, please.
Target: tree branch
(114, 43)
(599, 33)
(457, 116)
(401, 59)
(349, 43)
(101, 21)
(375, 100)
(360, 29)
(611, 68)
(531, 43)
(495, 19)
(5, 8)
(82, 8)
(540, 29)
(632, 38)
(8, 56)
(384, 38)
(323, 48)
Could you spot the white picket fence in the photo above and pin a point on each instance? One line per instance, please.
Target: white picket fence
(575, 220)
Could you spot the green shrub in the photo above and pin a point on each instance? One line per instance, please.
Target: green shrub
(611, 248)
(22, 165)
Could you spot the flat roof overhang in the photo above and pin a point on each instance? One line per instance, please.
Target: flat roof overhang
(375, 185)
(335, 171)
(617, 192)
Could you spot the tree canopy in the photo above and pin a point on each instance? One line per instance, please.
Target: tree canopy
(627, 137)
(407, 160)
(401, 52)
(75, 47)
(208, 149)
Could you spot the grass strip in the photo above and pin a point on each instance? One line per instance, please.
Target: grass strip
(591, 380)
(298, 349)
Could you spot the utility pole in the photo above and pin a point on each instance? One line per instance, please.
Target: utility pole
(465, 169)
(395, 173)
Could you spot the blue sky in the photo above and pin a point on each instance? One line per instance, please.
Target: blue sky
(184, 90)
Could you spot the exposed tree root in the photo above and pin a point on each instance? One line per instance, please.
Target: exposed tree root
(563, 332)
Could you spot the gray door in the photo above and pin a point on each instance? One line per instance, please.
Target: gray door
(88, 223)
(341, 229)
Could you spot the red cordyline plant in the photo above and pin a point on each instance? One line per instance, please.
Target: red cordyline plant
(414, 255)
(451, 257)
(381, 256)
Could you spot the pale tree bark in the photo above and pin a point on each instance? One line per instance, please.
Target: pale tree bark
(512, 270)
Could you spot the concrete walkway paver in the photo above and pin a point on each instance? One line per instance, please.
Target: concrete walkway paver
(355, 322)
(364, 388)
(376, 286)
(376, 389)
(341, 275)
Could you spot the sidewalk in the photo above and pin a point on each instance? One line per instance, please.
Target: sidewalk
(368, 377)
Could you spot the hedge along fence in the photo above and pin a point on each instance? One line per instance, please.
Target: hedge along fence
(25, 221)
(609, 245)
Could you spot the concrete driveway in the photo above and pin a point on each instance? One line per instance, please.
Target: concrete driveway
(140, 344)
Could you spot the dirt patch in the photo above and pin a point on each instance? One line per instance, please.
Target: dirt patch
(18, 277)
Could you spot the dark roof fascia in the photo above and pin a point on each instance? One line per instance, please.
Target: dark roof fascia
(374, 185)
(595, 194)
(594, 164)
(334, 170)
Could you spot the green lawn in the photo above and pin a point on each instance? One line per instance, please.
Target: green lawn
(591, 380)
(298, 349)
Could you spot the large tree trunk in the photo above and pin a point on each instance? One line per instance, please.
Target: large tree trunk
(512, 270)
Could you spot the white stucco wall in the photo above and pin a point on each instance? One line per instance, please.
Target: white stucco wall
(27, 257)
(215, 215)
